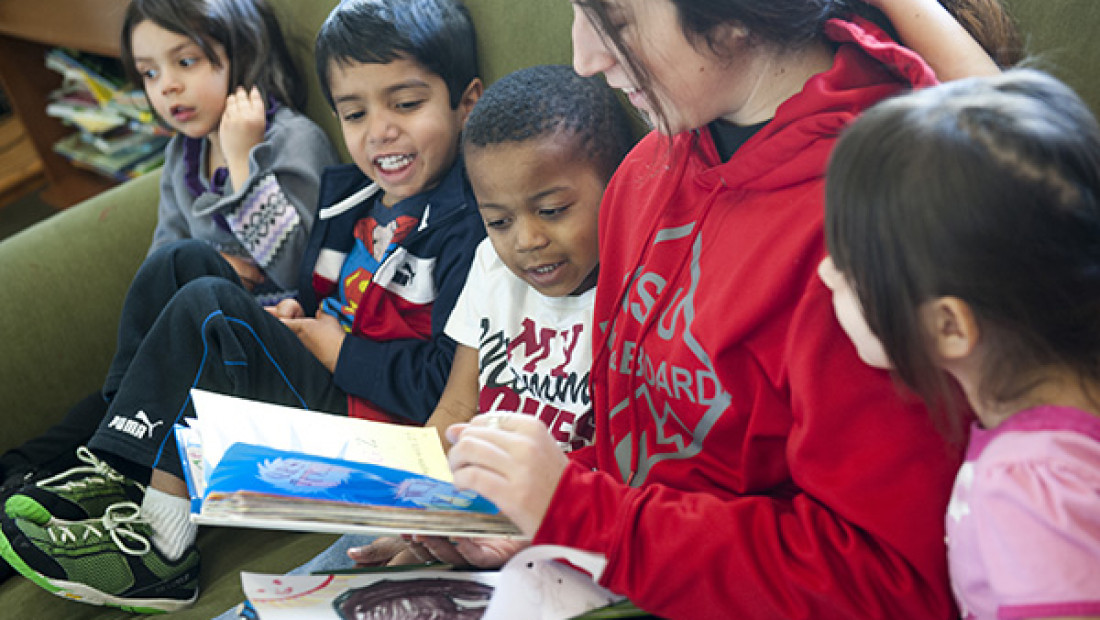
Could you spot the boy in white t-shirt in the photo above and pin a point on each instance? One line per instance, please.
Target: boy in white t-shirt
(539, 151)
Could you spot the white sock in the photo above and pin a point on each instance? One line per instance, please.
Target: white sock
(169, 516)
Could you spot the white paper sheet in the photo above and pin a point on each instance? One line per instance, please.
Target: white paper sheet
(534, 586)
(223, 420)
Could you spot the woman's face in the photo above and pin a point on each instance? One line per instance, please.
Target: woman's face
(685, 78)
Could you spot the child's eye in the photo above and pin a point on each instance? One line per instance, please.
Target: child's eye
(148, 74)
(351, 117)
(552, 212)
(409, 105)
(617, 19)
(496, 224)
(188, 61)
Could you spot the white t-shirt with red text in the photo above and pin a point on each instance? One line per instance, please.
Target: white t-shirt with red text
(534, 351)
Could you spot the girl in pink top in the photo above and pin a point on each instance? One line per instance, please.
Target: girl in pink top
(964, 230)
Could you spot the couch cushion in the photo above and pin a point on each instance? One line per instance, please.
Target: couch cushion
(1060, 36)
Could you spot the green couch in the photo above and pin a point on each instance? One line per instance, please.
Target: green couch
(62, 281)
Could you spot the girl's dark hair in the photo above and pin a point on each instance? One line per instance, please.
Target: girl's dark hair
(790, 24)
(983, 189)
(437, 34)
(247, 29)
(548, 100)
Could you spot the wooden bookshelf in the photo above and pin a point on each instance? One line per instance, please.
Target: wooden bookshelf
(20, 167)
(28, 29)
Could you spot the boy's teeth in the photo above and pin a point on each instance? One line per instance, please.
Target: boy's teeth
(393, 162)
(545, 269)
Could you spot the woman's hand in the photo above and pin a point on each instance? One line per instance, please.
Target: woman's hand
(512, 461)
(242, 127)
(459, 552)
(467, 552)
(383, 551)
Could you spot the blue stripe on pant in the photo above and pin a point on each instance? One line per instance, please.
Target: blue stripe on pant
(212, 335)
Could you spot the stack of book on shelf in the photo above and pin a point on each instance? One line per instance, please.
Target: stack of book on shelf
(116, 133)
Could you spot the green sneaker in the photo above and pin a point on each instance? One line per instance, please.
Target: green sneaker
(106, 561)
(79, 493)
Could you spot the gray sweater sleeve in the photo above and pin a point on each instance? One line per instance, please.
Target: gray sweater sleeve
(267, 219)
(272, 213)
(172, 220)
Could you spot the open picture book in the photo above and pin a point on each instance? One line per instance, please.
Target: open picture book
(254, 464)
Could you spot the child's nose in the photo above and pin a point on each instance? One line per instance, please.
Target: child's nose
(529, 236)
(382, 129)
(170, 82)
(826, 270)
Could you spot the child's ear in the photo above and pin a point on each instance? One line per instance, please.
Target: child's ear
(950, 323)
(470, 96)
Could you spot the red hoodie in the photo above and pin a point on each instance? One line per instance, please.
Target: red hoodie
(747, 464)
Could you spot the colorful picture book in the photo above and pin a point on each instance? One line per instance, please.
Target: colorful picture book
(255, 464)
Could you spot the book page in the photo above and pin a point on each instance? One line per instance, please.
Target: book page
(391, 594)
(224, 420)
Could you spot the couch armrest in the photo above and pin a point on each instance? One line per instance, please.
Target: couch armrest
(63, 282)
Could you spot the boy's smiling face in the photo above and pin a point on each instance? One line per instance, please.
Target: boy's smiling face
(398, 124)
(540, 201)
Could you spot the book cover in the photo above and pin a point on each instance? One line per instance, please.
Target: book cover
(255, 464)
(94, 98)
(98, 74)
(117, 139)
(120, 165)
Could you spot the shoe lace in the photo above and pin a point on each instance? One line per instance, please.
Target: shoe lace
(95, 472)
(117, 523)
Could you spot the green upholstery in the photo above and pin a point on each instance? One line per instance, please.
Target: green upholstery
(1061, 38)
(62, 281)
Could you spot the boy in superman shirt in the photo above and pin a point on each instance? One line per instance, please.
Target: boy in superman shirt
(386, 261)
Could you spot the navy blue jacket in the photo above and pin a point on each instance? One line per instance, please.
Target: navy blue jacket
(402, 376)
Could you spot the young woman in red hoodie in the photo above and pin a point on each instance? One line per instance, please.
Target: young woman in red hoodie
(746, 463)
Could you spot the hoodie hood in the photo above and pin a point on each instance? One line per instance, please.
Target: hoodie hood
(793, 148)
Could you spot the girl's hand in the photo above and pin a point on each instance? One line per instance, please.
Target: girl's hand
(242, 127)
(512, 461)
(929, 29)
(322, 335)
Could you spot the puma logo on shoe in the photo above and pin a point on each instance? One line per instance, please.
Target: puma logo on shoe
(140, 426)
